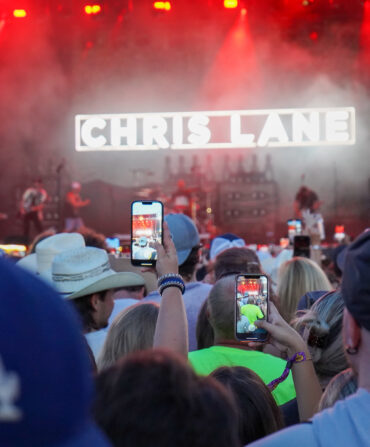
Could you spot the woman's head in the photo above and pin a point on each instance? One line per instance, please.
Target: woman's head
(155, 398)
(341, 386)
(297, 277)
(258, 413)
(132, 330)
(321, 328)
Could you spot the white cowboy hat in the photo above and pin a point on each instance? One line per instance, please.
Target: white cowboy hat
(84, 271)
(40, 262)
(124, 265)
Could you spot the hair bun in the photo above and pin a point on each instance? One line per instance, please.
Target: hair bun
(318, 332)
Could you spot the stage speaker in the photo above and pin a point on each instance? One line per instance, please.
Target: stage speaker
(248, 205)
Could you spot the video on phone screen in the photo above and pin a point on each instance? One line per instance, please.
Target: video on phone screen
(146, 229)
(251, 298)
(294, 228)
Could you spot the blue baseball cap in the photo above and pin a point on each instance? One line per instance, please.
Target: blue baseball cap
(46, 383)
(356, 279)
(184, 234)
(224, 242)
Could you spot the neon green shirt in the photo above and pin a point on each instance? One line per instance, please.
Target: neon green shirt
(266, 366)
(252, 312)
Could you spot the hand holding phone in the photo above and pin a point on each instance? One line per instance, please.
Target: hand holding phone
(167, 257)
(251, 305)
(146, 230)
(282, 335)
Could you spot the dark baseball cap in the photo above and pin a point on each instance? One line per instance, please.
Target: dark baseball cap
(45, 373)
(356, 279)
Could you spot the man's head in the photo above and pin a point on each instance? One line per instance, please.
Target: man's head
(38, 183)
(76, 187)
(356, 295)
(236, 260)
(95, 309)
(221, 303)
(84, 276)
(143, 242)
(186, 239)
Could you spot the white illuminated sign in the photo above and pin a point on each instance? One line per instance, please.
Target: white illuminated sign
(216, 130)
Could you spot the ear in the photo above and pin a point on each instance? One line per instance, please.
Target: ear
(94, 300)
(351, 331)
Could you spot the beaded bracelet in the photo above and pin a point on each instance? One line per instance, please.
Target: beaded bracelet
(172, 284)
(298, 357)
(171, 280)
(168, 275)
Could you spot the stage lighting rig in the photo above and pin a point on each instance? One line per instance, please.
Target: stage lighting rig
(19, 13)
(162, 6)
(93, 9)
(231, 4)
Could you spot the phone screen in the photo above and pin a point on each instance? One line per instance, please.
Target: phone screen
(251, 305)
(294, 228)
(147, 220)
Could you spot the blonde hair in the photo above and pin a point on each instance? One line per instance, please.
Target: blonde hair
(297, 277)
(321, 328)
(341, 386)
(132, 330)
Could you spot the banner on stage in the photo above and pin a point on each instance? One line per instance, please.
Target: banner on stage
(233, 129)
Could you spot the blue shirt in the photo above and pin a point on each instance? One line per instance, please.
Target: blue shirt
(344, 425)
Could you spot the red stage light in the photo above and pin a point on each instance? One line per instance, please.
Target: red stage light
(92, 9)
(229, 4)
(19, 13)
(314, 35)
(162, 6)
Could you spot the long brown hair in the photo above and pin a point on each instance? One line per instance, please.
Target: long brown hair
(259, 414)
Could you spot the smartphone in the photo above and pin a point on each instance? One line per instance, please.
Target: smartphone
(146, 228)
(113, 244)
(294, 228)
(251, 304)
(301, 246)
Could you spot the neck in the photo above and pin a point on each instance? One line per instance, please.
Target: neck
(229, 343)
(362, 365)
(363, 376)
(190, 279)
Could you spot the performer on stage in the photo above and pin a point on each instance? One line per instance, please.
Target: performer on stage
(73, 204)
(32, 205)
(306, 207)
(306, 199)
(181, 199)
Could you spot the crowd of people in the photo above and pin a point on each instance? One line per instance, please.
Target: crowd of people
(98, 352)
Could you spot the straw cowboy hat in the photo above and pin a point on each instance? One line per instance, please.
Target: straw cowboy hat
(40, 262)
(124, 265)
(84, 271)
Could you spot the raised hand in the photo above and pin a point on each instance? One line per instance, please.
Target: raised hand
(167, 257)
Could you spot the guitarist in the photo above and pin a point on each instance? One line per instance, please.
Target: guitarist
(32, 205)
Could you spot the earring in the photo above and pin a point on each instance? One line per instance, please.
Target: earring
(351, 351)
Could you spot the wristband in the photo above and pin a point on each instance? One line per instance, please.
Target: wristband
(298, 357)
(171, 280)
(168, 275)
(172, 284)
